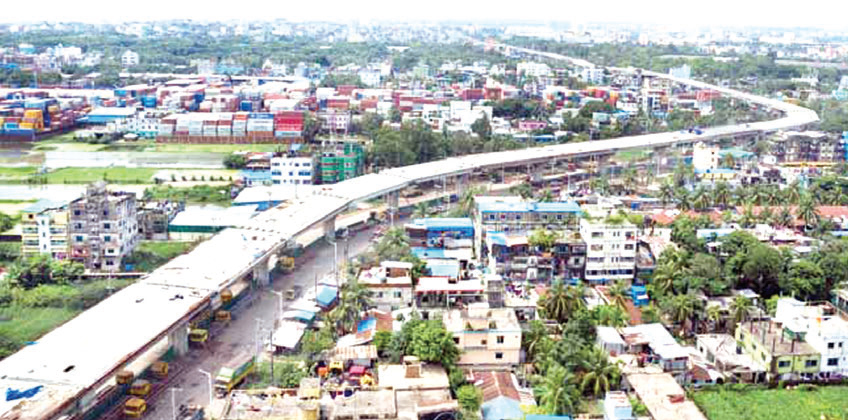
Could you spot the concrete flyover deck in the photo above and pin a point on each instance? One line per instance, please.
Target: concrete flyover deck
(76, 360)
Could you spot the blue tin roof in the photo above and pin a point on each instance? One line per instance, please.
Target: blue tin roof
(715, 171)
(444, 269)
(424, 253)
(256, 175)
(546, 417)
(44, 204)
(497, 238)
(445, 223)
(326, 295)
(525, 207)
(502, 408)
(367, 324)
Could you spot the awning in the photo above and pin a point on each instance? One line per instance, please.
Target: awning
(326, 296)
(300, 315)
(357, 370)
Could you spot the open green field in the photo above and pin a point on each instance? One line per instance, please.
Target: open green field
(822, 402)
(20, 325)
(198, 194)
(149, 255)
(116, 175)
(16, 172)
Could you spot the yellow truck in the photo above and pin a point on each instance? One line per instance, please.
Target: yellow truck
(233, 373)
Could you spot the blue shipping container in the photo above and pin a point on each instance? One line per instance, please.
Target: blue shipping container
(246, 106)
(198, 97)
(261, 116)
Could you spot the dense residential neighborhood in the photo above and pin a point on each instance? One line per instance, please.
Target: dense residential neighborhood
(422, 221)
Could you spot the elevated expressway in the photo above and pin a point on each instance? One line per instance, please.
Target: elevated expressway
(79, 360)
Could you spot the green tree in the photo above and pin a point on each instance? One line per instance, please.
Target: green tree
(235, 161)
(470, 398)
(543, 239)
(610, 316)
(807, 211)
(393, 246)
(560, 302)
(431, 342)
(556, 392)
(617, 293)
(482, 128)
(681, 309)
(599, 375)
(740, 308)
(805, 280)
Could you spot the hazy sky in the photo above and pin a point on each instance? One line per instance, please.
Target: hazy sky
(810, 13)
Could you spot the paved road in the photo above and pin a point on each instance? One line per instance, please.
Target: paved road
(314, 263)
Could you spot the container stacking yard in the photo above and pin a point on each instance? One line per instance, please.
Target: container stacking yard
(229, 127)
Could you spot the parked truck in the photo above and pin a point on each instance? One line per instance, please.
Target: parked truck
(234, 373)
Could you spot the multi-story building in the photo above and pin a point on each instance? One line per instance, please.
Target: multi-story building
(288, 170)
(533, 69)
(822, 327)
(44, 229)
(705, 157)
(345, 163)
(335, 121)
(610, 250)
(129, 59)
(782, 354)
(806, 146)
(441, 232)
(390, 285)
(514, 258)
(154, 218)
(103, 227)
(513, 216)
(485, 337)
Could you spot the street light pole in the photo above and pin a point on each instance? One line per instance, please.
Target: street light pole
(280, 296)
(174, 403)
(209, 380)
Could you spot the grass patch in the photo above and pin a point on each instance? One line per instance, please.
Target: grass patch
(149, 255)
(198, 194)
(287, 374)
(26, 315)
(114, 175)
(17, 172)
(21, 325)
(769, 404)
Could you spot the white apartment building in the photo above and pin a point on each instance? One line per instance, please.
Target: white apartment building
(704, 157)
(486, 337)
(533, 69)
(390, 285)
(610, 250)
(129, 59)
(292, 170)
(822, 328)
(593, 75)
(335, 121)
(458, 109)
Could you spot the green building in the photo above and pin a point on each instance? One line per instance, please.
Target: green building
(345, 163)
(777, 349)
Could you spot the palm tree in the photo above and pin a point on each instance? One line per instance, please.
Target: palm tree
(740, 307)
(683, 199)
(650, 314)
(681, 308)
(700, 198)
(421, 209)
(545, 196)
(561, 301)
(354, 298)
(618, 294)
(629, 177)
(466, 202)
(556, 391)
(599, 375)
(714, 315)
(610, 316)
(721, 194)
(533, 337)
(785, 218)
(666, 193)
(793, 192)
(807, 211)
(748, 218)
(393, 245)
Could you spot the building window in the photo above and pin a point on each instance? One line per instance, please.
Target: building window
(107, 226)
(499, 355)
(483, 342)
(500, 339)
(456, 340)
(783, 364)
(811, 363)
(833, 361)
(597, 247)
(628, 247)
(78, 239)
(597, 234)
(107, 238)
(831, 345)
(109, 262)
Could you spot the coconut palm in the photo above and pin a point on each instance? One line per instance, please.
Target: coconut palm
(714, 316)
(354, 299)
(466, 202)
(666, 193)
(721, 194)
(545, 196)
(748, 218)
(650, 314)
(599, 375)
(618, 294)
(421, 209)
(793, 192)
(683, 199)
(629, 177)
(740, 307)
(784, 217)
(701, 198)
(393, 245)
(556, 391)
(610, 316)
(807, 211)
(681, 308)
(533, 337)
(561, 301)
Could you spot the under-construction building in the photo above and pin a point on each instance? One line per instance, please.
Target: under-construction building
(103, 227)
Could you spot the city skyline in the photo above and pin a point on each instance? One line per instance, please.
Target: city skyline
(661, 12)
